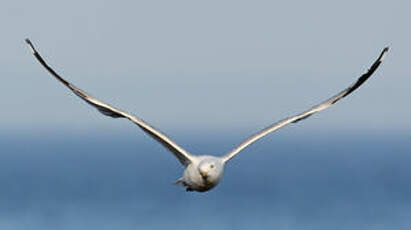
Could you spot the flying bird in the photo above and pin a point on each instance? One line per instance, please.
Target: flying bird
(204, 172)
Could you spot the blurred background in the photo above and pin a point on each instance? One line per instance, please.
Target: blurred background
(209, 74)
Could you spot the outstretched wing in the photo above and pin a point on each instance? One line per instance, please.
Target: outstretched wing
(183, 156)
(309, 112)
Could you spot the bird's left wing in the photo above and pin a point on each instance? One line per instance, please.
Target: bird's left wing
(182, 155)
(309, 112)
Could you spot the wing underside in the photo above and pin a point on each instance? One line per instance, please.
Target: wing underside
(325, 104)
(182, 155)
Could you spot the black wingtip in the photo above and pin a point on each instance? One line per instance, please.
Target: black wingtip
(386, 49)
(30, 45)
(383, 53)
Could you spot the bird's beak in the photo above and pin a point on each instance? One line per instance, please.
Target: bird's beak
(203, 174)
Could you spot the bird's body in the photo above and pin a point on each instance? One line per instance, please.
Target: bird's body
(204, 172)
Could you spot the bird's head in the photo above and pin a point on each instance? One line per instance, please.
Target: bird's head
(211, 170)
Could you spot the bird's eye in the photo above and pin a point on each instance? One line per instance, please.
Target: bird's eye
(211, 166)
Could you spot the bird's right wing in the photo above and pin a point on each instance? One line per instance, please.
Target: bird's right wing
(183, 156)
(308, 112)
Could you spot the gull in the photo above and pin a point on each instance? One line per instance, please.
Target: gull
(204, 172)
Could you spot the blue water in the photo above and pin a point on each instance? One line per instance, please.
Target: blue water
(337, 181)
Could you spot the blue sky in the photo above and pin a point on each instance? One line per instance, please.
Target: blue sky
(195, 65)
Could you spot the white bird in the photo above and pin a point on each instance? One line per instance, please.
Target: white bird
(204, 172)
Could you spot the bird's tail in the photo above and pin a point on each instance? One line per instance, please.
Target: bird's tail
(179, 181)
